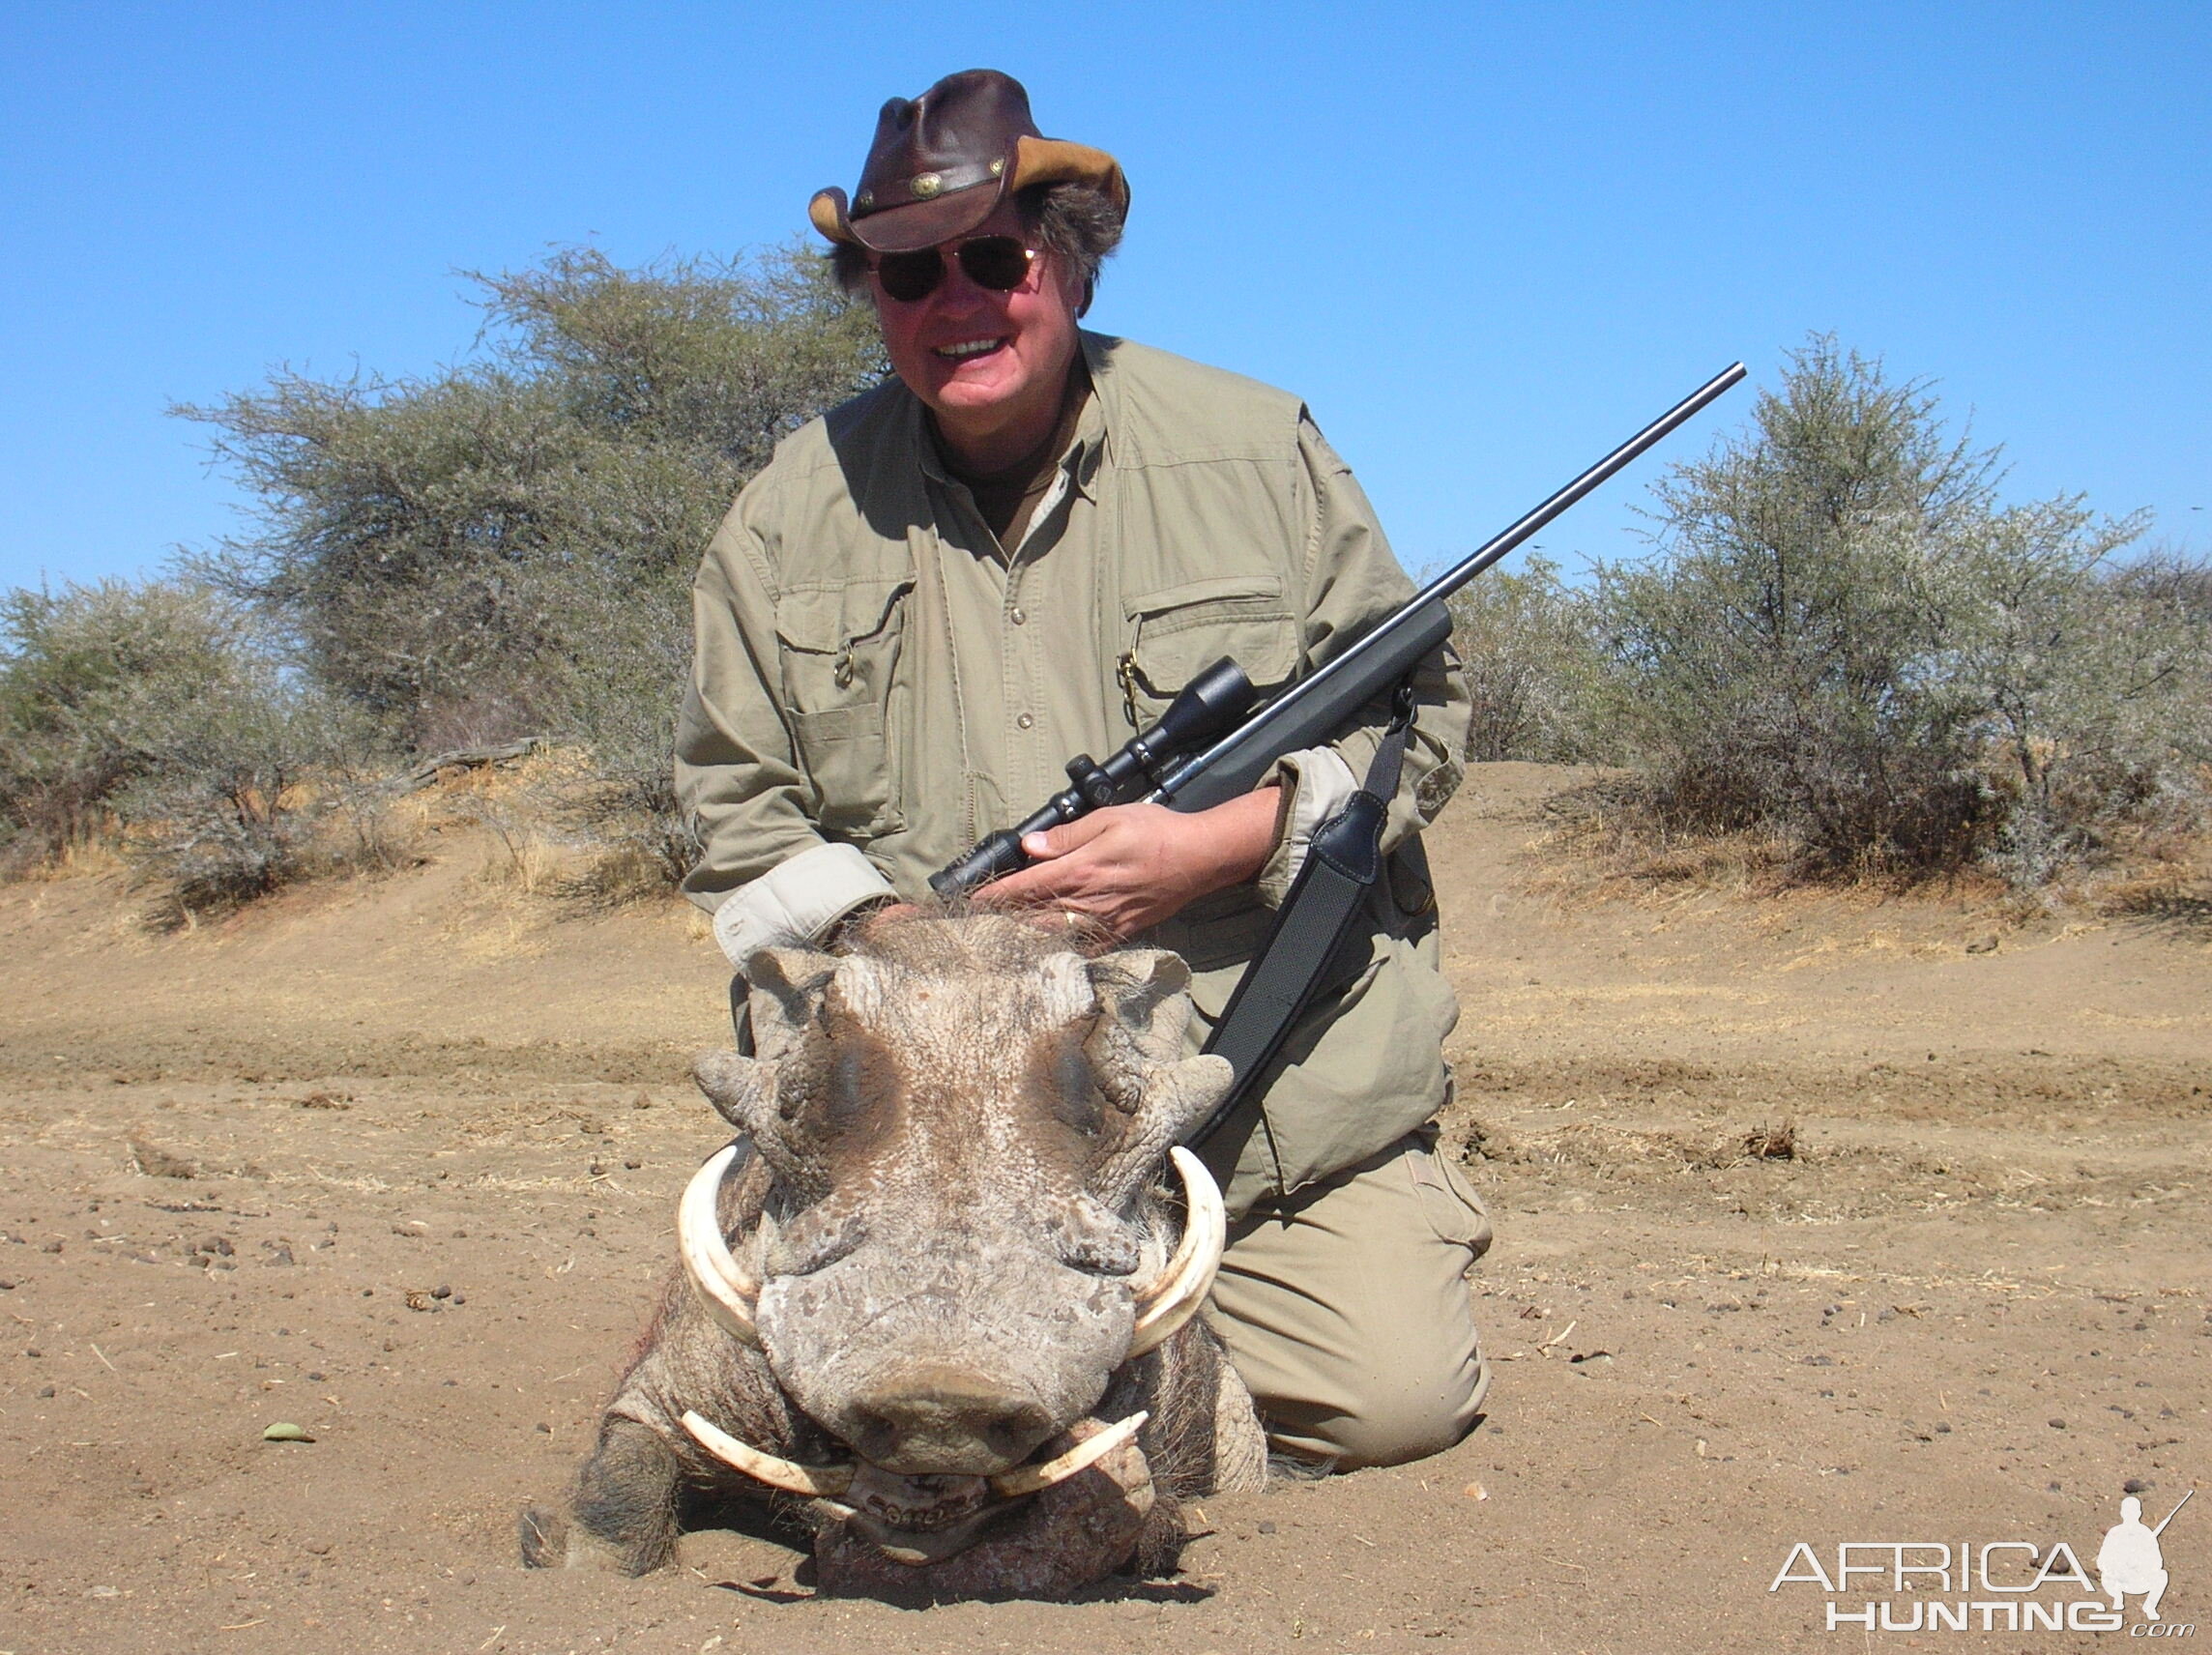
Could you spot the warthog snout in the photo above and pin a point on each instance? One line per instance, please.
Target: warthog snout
(937, 1417)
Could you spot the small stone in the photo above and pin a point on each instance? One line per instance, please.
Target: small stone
(1475, 1492)
(546, 1430)
(2133, 1486)
(315, 1379)
(45, 1390)
(7, 1285)
(461, 1298)
(441, 1291)
(2057, 1425)
(1266, 1528)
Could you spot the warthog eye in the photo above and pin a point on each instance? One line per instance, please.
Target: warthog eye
(1070, 1090)
(848, 1080)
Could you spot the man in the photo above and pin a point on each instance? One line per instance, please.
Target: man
(1020, 549)
(2130, 1559)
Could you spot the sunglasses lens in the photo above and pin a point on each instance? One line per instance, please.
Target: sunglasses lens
(908, 277)
(1000, 263)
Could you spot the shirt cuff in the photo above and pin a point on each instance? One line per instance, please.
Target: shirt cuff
(1319, 784)
(797, 901)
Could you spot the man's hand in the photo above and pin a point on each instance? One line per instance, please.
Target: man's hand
(1130, 866)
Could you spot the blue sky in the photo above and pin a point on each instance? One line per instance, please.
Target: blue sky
(1484, 242)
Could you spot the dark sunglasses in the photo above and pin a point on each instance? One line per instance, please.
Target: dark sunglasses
(999, 263)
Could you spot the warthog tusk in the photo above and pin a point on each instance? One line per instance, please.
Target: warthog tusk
(1029, 1479)
(822, 1482)
(1172, 1297)
(729, 1291)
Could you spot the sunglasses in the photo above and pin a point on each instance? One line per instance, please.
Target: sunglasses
(999, 263)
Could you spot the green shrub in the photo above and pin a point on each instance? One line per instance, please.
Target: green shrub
(1844, 642)
(157, 713)
(85, 674)
(1534, 668)
(2093, 682)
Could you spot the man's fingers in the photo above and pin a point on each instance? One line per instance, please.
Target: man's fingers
(1068, 836)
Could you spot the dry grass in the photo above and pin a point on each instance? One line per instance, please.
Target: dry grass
(94, 858)
(1598, 846)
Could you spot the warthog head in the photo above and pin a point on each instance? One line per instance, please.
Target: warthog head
(963, 1120)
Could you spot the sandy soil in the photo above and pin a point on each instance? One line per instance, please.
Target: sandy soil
(395, 1161)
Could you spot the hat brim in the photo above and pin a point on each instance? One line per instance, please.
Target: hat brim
(927, 223)
(910, 228)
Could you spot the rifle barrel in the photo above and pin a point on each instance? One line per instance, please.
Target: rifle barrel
(2174, 1513)
(1236, 763)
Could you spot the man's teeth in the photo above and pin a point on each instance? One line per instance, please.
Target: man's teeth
(968, 348)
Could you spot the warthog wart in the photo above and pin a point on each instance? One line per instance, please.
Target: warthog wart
(931, 1298)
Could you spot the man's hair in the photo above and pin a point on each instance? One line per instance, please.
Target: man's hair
(1077, 221)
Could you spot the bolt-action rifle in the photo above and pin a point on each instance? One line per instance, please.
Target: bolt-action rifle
(1211, 744)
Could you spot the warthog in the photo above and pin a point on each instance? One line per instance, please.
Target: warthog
(942, 1311)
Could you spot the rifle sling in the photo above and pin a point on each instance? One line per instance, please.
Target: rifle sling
(1343, 861)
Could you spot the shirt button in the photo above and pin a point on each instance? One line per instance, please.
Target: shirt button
(1018, 618)
(1024, 722)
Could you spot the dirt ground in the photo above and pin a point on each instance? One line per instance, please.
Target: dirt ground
(395, 1162)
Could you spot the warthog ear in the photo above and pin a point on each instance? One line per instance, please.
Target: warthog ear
(742, 1089)
(787, 986)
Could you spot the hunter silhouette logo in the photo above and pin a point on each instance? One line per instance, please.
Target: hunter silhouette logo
(1999, 1586)
(2130, 1559)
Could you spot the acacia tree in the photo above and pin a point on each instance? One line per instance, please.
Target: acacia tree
(463, 553)
(1844, 640)
(504, 546)
(1776, 660)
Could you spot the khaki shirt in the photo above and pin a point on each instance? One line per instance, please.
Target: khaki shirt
(879, 683)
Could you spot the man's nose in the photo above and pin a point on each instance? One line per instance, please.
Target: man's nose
(960, 290)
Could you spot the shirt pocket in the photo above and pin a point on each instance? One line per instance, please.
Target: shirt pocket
(839, 650)
(1178, 632)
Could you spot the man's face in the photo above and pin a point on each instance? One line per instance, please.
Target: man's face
(984, 361)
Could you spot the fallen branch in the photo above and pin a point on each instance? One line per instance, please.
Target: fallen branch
(468, 758)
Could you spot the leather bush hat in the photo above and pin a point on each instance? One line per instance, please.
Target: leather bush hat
(943, 161)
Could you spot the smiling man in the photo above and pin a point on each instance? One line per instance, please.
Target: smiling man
(1020, 549)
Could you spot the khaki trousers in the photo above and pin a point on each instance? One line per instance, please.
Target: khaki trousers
(1347, 1310)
